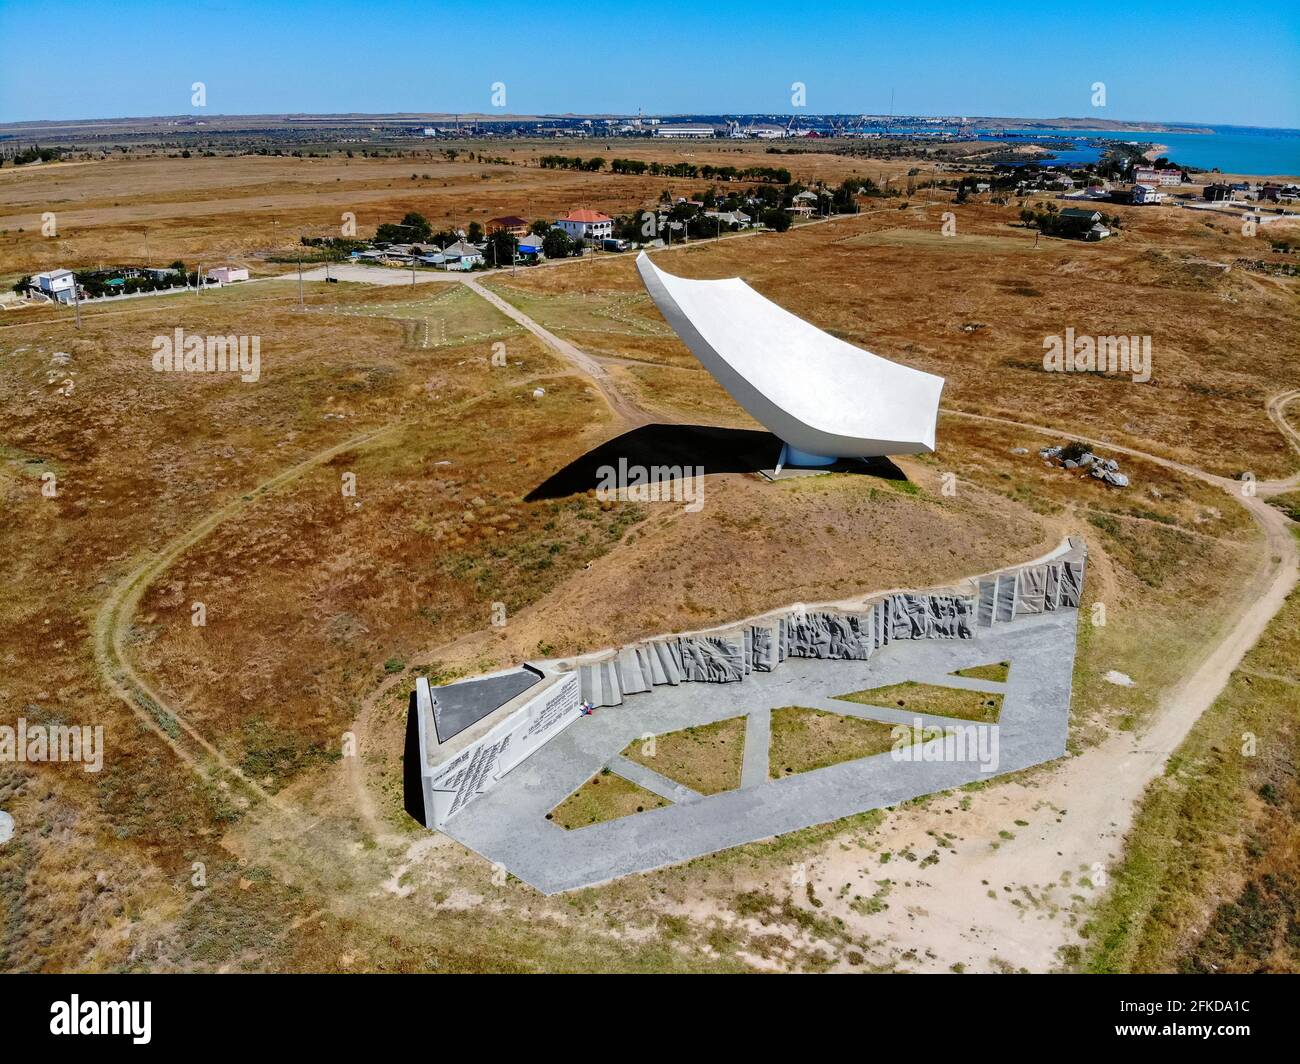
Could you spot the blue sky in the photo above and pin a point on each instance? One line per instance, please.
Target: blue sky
(1194, 61)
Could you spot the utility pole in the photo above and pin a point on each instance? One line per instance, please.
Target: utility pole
(76, 300)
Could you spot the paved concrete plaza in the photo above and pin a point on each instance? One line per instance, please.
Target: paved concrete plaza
(508, 823)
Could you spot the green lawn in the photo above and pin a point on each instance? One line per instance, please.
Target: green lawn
(928, 698)
(706, 758)
(806, 739)
(603, 797)
(997, 672)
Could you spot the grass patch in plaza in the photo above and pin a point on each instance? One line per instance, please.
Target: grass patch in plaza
(997, 672)
(806, 739)
(603, 797)
(706, 758)
(930, 698)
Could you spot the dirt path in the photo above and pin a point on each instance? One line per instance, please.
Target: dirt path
(1277, 412)
(112, 629)
(622, 406)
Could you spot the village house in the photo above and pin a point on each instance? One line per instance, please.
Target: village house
(509, 223)
(530, 246)
(461, 255)
(1085, 223)
(1143, 194)
(1219, 193)
(59, 285)
(736, 218)
(583, 224)
(228, 274)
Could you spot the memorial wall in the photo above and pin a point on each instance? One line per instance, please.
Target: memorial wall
(457, 772)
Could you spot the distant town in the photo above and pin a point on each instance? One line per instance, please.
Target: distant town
(1058, 201)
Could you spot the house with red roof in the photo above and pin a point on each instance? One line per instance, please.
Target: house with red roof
(586, 225)
(511, 223)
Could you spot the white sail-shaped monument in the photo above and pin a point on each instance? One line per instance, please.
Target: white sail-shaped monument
(824, 398)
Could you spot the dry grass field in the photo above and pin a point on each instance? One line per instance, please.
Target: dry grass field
(146, 208)
(227, 831)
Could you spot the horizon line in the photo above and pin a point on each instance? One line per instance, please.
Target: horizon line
(480, 116)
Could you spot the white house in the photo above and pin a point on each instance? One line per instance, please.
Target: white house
(461, 255)
(59, 285)
(586, 225)
(228, 274)
(1143, 193)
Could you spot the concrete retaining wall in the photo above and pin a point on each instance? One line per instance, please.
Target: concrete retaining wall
(457, 772)
(844, 631)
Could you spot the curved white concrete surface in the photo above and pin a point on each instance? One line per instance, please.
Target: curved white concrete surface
(817, 393)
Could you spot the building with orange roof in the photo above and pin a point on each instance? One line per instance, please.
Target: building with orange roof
(583, 224)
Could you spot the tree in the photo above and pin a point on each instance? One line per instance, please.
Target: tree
(776, 219)
(557, 245)
(474, 234)
(414, 228)
(843, 199)
(540, 227)
(501, 248)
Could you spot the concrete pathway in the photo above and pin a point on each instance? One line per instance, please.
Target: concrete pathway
(652, 781)
(758, 743)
